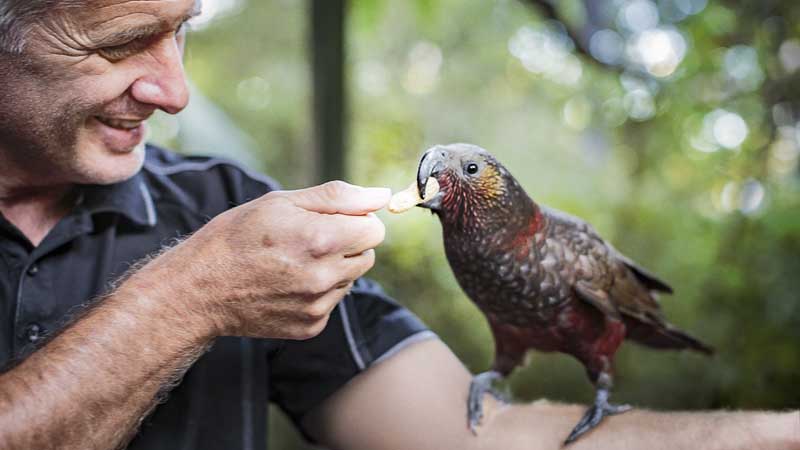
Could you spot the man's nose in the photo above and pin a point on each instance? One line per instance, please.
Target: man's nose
(164, 84)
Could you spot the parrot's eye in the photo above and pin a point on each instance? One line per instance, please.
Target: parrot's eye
(472, 168)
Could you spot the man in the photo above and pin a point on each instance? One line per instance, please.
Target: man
(263, 302)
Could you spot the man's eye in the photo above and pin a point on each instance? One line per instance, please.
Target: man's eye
(116, 53)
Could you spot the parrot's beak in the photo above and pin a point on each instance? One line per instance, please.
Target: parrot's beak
(431, 164)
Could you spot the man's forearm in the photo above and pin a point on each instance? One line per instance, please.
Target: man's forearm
(91, 386)
(643, 429)
(417, 399)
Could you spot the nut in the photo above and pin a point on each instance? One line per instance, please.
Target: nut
(409, 198)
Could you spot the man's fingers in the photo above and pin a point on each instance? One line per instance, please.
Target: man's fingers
(338, 235)
(364, 233)
(360, 264)
(338, 197)
(336, 271)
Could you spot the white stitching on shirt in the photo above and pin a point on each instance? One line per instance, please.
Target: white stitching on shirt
(148, 203)
(188, 166)
(247, 393)
(413, 339)
(348, 332)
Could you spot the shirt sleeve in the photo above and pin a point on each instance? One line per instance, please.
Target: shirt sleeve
(364, 329)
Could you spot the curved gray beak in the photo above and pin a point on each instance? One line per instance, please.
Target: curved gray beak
(431, 164)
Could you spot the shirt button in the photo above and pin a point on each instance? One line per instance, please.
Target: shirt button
(34, 332)
(33, 270)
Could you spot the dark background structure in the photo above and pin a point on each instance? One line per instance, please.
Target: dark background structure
(672, 125)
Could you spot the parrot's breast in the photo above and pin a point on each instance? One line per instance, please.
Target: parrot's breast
(517, 280)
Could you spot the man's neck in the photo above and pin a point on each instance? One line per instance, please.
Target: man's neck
(35, 211)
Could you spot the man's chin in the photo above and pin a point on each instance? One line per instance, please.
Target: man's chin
(106, 166)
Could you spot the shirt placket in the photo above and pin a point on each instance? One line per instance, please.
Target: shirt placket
(37, 309)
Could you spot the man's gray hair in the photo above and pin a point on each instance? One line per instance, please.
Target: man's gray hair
(17, 16)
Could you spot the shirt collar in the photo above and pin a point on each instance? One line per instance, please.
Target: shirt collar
(131, 198)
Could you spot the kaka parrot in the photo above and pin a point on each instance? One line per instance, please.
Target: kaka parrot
(545, 280)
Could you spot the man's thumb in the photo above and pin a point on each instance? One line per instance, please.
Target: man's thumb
(338, 197)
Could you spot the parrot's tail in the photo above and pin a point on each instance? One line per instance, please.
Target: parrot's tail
(664, 336)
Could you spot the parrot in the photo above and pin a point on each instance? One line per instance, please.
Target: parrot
(544, 280)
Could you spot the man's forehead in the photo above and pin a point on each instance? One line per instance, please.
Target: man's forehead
(102, 11)
(142, 3)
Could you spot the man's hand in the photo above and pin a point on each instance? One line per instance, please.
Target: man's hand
(277, 266)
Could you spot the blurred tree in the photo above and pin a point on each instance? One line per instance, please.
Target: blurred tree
(326, 44)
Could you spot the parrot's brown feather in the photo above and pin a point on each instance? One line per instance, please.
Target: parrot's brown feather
(597, 298)
(645, 277)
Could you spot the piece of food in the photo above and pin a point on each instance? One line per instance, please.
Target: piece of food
(409, 198)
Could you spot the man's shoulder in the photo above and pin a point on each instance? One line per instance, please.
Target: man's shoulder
(205, 184)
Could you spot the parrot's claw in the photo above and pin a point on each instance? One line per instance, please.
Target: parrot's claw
(595, 414)
(481, 384)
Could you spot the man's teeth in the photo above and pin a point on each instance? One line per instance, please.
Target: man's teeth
(120, 123)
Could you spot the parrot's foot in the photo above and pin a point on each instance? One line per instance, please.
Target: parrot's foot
(481, 384)
(595, 414)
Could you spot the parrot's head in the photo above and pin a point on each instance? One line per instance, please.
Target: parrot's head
(470, 180)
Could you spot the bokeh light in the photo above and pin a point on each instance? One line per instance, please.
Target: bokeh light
(659, 50)
(577, 112)
(729, 129)
(546, 50)
(253, 93)
(424, 63)
(607, 46)
(720, 129)
(790, 55)
(639, 104)
(372, 77)
(742, 67)
(637, 15)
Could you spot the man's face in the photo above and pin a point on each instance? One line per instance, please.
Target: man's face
(73, 104)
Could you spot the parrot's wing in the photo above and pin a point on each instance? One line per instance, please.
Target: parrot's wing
(617, 292)
(597, 298)
(642, 274)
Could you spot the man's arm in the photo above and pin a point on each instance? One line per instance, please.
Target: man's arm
(92, 384)
(417, 400)
(274, 267)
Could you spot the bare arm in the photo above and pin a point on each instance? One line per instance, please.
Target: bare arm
(90, 387)
(417, 400)
(274, 267)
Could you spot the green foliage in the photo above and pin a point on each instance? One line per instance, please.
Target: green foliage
(721, 225)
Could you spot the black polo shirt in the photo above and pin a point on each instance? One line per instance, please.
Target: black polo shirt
(221, 403)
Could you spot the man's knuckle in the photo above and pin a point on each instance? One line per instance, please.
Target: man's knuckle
(320, 244)
(273, 196)
(309, 331)
(379, 230)
(316, 311)
(316, 328)
(335, 188)
(369, 258)
(319, 283)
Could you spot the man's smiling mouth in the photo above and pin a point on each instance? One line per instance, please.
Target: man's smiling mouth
(121, 124)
